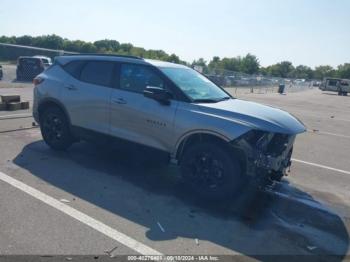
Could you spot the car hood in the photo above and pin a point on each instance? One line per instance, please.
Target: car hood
(254, 115)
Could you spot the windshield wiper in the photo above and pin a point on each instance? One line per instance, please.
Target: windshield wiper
(205, 100)
(224, 98)
(210, 100)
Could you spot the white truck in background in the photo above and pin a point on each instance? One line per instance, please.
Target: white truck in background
(342, 86)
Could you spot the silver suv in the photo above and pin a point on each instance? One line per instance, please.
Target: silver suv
(218, 141)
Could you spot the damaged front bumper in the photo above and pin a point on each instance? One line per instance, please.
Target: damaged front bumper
(265, 155)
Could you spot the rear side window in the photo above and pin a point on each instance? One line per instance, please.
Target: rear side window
(29, 61)
(74, 68)
(97, 72)
(332, 82)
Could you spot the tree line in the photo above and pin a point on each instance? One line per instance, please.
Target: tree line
(248, 64)
(101, 46)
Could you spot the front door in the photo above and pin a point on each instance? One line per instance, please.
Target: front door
(137, 118)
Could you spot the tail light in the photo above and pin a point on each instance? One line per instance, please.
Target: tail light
(38, 81)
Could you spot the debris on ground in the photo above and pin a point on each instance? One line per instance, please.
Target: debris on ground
(64, 200)
(197, 242)
(315, 130)
(12, 103)
(311, 248)
(161, 228)
(109, 252)
(332, 116)
(69, 259)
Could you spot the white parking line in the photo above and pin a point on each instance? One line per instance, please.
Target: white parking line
(81, 217)
(15, 115)
(322, 166)
(327, 133)
(341, 119)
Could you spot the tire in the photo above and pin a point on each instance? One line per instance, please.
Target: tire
(211, 171)
(340, 92)
(55, 129)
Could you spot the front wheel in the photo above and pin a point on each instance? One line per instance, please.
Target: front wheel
(211, 171)
(55, 129)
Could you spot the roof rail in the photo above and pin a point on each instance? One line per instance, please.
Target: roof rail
(98, 54)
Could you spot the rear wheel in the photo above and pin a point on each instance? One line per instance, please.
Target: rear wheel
(340, 92)
(55, 129)
(211, 171)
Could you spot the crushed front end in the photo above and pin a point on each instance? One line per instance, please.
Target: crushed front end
(266, 156)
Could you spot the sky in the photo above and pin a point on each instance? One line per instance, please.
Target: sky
(308, 32)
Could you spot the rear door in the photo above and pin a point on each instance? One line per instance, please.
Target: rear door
(86, 94)
(29, 67)
(137, 118)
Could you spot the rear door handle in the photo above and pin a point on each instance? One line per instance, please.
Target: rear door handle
(119, 101)
(70, 87)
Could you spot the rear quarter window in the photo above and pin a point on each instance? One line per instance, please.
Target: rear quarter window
(74, 68)
(97, 72)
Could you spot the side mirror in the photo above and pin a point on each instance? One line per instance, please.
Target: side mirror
(159, 94)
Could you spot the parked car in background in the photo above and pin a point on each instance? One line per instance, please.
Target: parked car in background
(1, 73)
(46, 60)
(342, 86)
(219, 142)
(29, 67)
(316, 83)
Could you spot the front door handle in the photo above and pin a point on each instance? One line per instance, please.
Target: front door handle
(120, 101)
(70, 87)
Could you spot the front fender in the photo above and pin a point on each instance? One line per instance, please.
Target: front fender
(190, 121)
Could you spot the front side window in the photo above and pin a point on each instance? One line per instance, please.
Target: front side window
(97, 72)
(137, 77)
(344, 83)
(195, 85)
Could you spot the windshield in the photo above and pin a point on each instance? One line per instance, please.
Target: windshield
(195, 85)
